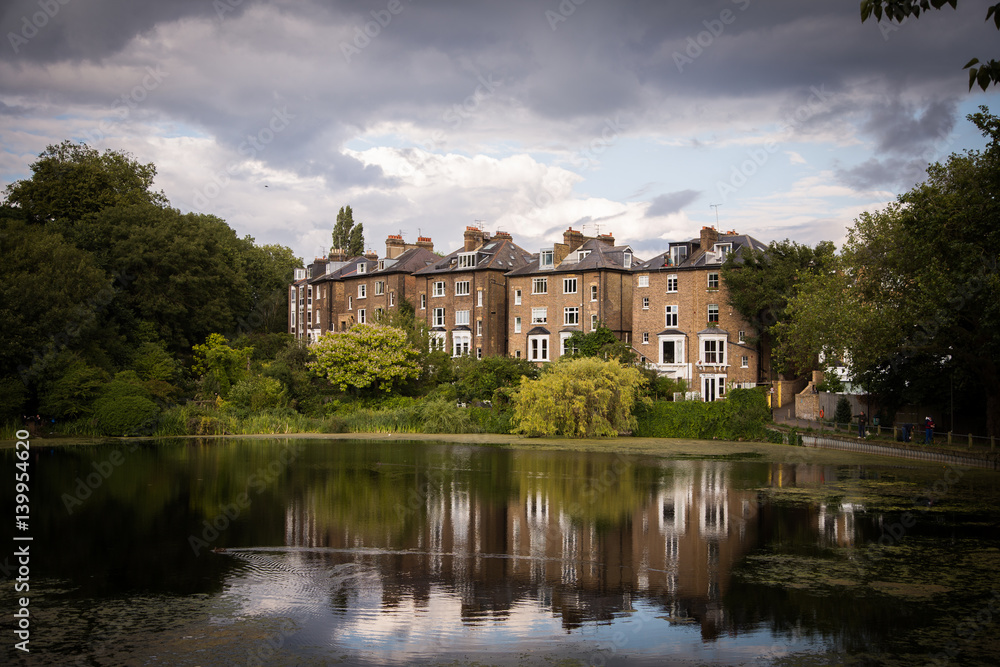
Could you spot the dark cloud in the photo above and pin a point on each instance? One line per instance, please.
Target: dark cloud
(900, 127)
(892, 173)
(671, 202)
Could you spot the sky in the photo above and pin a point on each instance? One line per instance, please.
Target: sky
(645, 120)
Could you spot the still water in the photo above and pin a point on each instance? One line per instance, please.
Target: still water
(300, 552)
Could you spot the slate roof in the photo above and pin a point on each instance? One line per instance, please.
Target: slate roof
(602, 257)
(497, 254)
(699, 259)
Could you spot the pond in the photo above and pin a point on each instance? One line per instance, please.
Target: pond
(333, 551)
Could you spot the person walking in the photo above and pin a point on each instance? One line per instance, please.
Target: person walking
(862, 420)
(928, 431)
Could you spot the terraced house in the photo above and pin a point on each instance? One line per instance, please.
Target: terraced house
(684, 325)
(569, 287)
(463, 296)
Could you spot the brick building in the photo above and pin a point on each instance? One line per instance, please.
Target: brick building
(463, 296)
(567, 288)
(683, 323)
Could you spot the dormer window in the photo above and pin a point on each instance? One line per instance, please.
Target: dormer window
(678, 254)
(381, 265)
(628, 260)
(466, 260)
(362, 267)
(722, 250)
(580, 254)
(546, 259)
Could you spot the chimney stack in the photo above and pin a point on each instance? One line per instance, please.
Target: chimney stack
(371, 256)
(709, 237)
(338, 255)
(503, 235)
(573, 239)
(394, 246)
(607, 239)
(473, 238)
(425, 242)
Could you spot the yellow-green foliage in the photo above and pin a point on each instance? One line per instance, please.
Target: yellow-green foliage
(578, 397)
(365, 357)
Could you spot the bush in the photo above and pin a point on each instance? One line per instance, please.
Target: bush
(125, 415)
(742, 416)
(257, 393)
(842, 414)
(440, 415)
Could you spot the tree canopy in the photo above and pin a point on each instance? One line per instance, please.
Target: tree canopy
(367, 357)
(348, 235)
(915, 303)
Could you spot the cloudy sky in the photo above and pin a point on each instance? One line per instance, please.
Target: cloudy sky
(633, 118)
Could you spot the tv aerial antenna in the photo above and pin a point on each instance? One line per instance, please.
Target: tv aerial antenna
(716, 207)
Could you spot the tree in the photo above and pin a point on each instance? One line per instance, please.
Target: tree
(268, 270)
(347, 235)
(583, 397)
(220, 366)
(600, 343)
(917, 302)
(760, 283)
(71, 180)
(479, 379)
(367, 357)
(900, 10)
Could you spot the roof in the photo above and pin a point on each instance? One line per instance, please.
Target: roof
(601, 257)
(497, 254)
(701, 260)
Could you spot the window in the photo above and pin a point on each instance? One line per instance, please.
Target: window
(593, 322)
(438, 320)
(461, 318)
(517, 354)
(671, 317)
(569, 285)
(462, 288)
(713, 312)
(645, 338)
(545, 259)
(350, 303)
(479, 353)
(539, 315)
(580, 254)
(438, 288)
(678, 254)
(319, 318)
(309, 291)
(517, 325)
(645, 303)
(379, 312)
(423, 301)
(713, 281)
(461, 342)
(517, 297)
(361, 316)
(362, 291)
(628, 260)
(744, 362)
(538, 348)
(671, 350)
(437, 340)
(714, 351)
(566, 347)
(379, 287)
(571, 316)
(479, 298)
(362, 267)
(479, 327)
(539, 285)
(722, 250)
(309, 317)
(593, 292)
(466, 260)
(643, 281)
(392, 298)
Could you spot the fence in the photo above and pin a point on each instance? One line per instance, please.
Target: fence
(916, 435)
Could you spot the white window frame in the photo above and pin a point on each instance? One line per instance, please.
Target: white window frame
(438, 288)
(462, 318)
(744, 361)
(363, 291)
(438, 340)
(461, 343)
(713, 280)
(479, 298)
(350, 303)
(721, 250)
(678, 342)
(309, 296)
(438, 317)
(362, 319)
(645, 338)
(540, 315)
(479, 327)
(713, 308)
(671, 316)
(362, 267)
(571, 316)
(517, 296)
(593, 322)
(423, 302)
(642, 281)
(645, 303)
(741, 336)
(717, 355)
(564, 348)
(379, 287)
(569, 285)
(538, 347)
(467, 260)
(517, 325)
(678, 254)
(672, 283)
(392, 299)
(593, 292)
(546, 259)
(628, 260)
(462, 288)
(537, 283)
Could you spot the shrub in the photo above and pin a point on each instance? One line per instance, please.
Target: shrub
(125, 415)
(742, 416)
(842, 414)
(440, 415)
(257, 393)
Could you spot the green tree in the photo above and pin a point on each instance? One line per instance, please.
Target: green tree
(348, 235)
(479, 379)
(220, 365)
(918, 298)
(602, 344)
(760, 283)
(70, 180)
(842, 413)
(584, 397)
(268, 270)
(900, 10)
(366, 357)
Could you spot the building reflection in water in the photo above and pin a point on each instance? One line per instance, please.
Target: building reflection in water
(583, 549)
